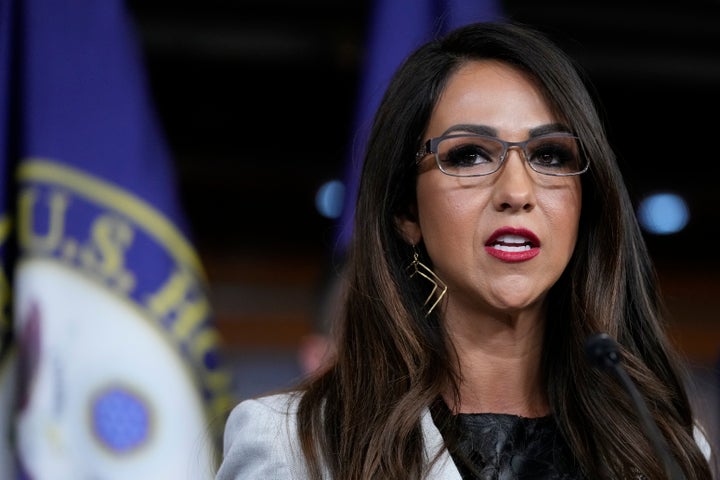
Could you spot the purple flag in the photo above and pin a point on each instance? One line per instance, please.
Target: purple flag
(113, 337)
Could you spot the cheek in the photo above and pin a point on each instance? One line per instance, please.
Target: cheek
(564, 214)
(447, 216)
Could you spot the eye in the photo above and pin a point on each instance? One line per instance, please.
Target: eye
(554, 154)
(467, 155)
(462, 152)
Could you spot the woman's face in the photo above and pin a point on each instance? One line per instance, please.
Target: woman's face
(498, 241)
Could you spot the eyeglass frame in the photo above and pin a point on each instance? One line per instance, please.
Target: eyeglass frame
(431, 145)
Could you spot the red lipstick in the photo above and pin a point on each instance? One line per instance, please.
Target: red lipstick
(513, 244)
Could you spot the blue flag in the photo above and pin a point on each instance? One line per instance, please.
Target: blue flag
(113, 341)
(396, 28)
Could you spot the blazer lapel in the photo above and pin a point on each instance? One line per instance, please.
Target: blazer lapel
(444, 468)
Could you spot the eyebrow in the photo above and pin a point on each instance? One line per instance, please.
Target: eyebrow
(492, 132)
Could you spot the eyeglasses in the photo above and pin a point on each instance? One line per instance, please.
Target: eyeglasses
(469, 155)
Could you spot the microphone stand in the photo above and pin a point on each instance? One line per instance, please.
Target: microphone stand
(604, 353)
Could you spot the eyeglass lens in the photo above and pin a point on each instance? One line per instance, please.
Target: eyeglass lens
(474, 155)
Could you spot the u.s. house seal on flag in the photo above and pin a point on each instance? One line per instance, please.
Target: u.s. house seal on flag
(117, 352)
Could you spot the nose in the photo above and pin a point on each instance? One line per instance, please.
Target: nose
(514, 188)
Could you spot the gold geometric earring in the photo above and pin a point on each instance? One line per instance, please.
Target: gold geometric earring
(416, 267)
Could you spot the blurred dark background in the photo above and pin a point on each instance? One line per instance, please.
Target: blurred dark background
(257, 99)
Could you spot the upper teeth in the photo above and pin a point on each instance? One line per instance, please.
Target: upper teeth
(517, 239)
(512, 243)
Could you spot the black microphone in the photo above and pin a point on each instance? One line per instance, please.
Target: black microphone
(604, 353)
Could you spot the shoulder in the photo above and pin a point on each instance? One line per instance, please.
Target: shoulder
(260, 439)
(268, 410)
(277, 404)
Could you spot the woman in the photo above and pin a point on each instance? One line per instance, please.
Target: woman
(493, 236)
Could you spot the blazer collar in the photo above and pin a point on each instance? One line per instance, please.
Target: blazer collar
(444, 468)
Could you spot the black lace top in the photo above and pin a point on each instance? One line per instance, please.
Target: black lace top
(509, 447)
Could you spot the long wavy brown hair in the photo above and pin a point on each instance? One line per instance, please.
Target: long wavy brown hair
(360, 417)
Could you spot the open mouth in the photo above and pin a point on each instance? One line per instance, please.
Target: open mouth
(512, 243)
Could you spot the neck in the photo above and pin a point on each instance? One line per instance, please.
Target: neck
(500, 369)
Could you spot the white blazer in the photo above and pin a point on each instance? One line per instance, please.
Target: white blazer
(261, 443)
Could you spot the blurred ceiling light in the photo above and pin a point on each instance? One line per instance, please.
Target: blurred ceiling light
(329, 199)
(663, 213)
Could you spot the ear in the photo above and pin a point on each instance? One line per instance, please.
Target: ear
(408, 225)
